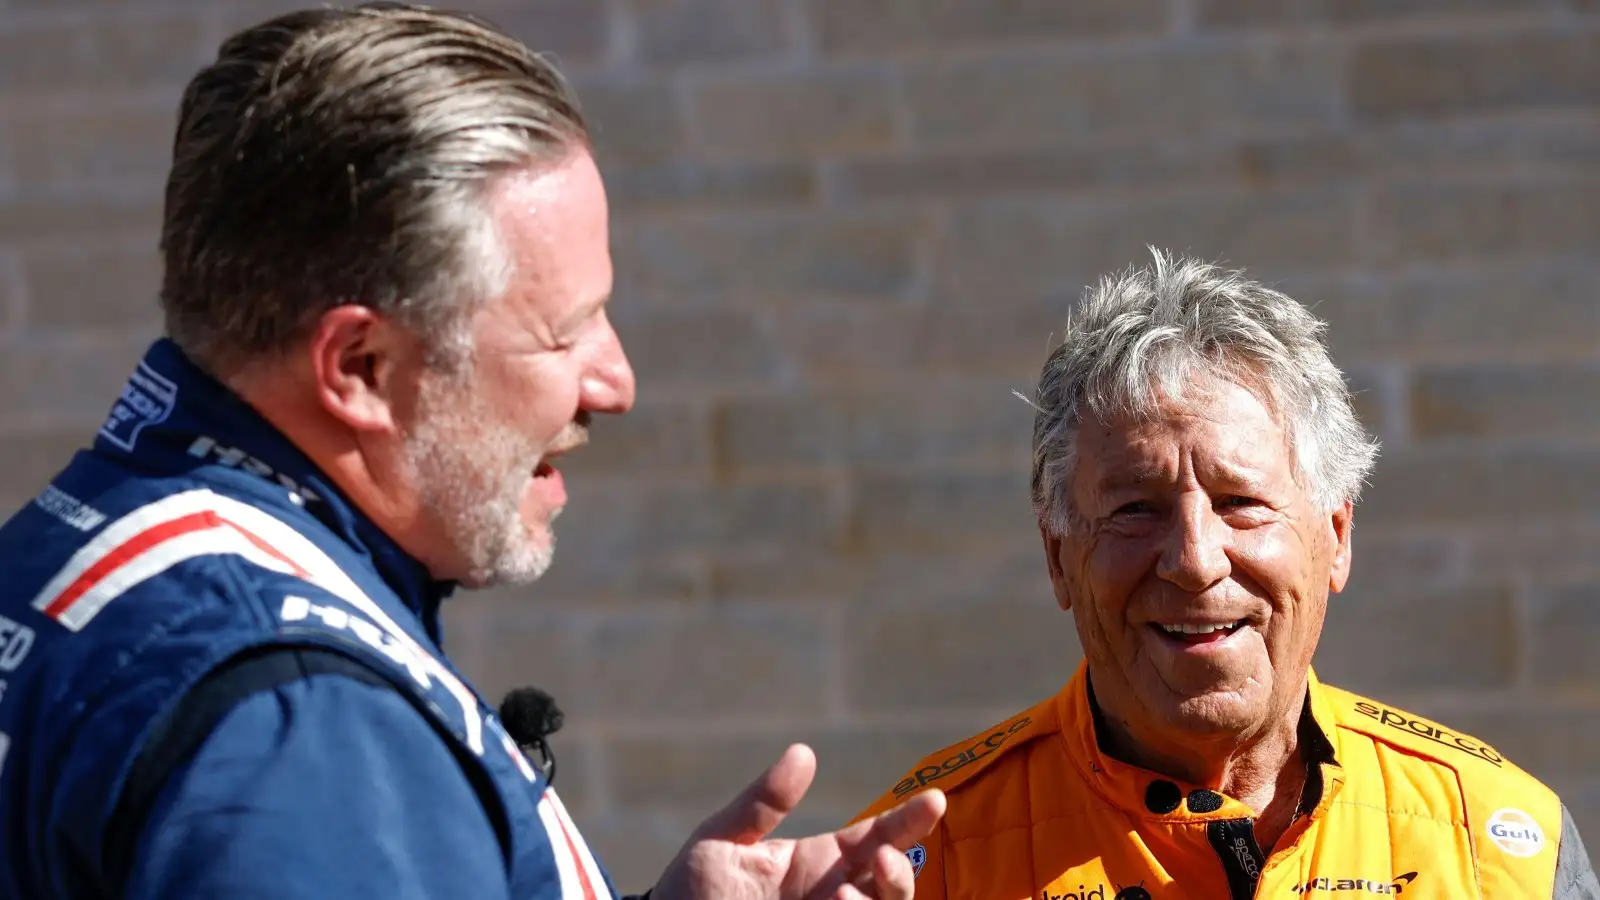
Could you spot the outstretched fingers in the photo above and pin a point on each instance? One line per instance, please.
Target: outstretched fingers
(761, 807)
(899, 828)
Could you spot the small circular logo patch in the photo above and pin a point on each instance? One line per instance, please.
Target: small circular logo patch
(1516, 832)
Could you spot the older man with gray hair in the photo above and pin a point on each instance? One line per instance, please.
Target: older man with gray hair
(1196, 463)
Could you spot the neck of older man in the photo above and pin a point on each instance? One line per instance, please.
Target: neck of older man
(1263, 769)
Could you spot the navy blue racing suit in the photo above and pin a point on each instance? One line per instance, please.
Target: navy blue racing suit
(193, 541)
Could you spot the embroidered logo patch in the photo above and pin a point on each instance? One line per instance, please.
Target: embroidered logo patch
(1516, 832)
(147, 399)
(918, 855)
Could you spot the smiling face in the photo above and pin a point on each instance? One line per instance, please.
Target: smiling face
(1198, 567)
(480, 441)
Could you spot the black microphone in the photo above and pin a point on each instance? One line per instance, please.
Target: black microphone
(530, 716)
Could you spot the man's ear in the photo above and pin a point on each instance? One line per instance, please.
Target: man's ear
(1341, 521)
(1052, 557)
(356, 355)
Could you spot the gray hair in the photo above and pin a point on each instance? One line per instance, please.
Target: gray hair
(1141, 334)
(334, 156)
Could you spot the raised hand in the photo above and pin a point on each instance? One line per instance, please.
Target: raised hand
(730, 857)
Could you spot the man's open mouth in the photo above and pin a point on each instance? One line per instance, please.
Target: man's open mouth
(1201, 633)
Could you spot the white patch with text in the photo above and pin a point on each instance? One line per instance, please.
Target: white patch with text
(1516, 832)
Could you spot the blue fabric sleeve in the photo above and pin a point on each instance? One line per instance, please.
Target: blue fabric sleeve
(325, 787)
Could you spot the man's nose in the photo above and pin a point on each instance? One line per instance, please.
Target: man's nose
(608, 386)
(1195, 556)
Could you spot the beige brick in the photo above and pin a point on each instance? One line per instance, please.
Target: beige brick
(1546, 737)
(926, 424)
(69, 217)
(1484, 72)
(1008, 336)
(109, 51)
(1410, 639)
(978, 173)
(631, 120)
(1464, 315)
(1286, 12)
(997, 654)
(1553, 144)
(1475, 487)
(65, 380)
(922, 511)
(1392, 562)
(838, 342)
(1007, 565)
(689, 186)
(1439, 222)
(636, 849)
(713, 347)
(646, 515)
(1029, 248)
(1315, 158)
(658, 437)
(786, 572)
(517, 649)
(1551, 551)
(1522, 402)
(104, 288)
(685, 774)
(13, 294)
(748, 257)
(743, 661)
(1368, 389)
(1560, 649)
(678, 32)
(1188, 90)
(637, 540)
(838, 111)
(878, 26)
(854, 766)
(32, 459)
(572, 32)
(91, 142)
(1001, 567)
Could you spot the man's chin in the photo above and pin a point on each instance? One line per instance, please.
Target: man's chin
(523, 559)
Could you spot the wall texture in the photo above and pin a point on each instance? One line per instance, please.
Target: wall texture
(845, 230)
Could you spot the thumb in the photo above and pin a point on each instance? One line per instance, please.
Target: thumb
(762, 806)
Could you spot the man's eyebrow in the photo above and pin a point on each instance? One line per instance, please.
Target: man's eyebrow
(1140, 476)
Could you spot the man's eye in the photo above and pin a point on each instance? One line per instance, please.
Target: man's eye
(1136, 508)
(1237, 502)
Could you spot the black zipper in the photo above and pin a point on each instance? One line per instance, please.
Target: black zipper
(1242, 859)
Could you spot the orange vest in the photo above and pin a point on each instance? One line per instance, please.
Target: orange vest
(1394, 805)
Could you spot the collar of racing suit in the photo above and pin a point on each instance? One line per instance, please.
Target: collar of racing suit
(206, 422)
(1149, 795)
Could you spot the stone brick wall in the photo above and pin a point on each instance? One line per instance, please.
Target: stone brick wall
(845, 231)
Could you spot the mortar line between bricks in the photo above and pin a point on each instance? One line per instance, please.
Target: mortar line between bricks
(613, 726)
(1522, 632)
(1443, 26)
(836, 698)
(1183, 18)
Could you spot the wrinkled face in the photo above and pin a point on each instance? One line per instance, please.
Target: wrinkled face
(1197, 568)
(482, 440)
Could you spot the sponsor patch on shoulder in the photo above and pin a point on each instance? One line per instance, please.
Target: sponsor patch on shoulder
(147, 399)
(918, 855)
(1516, 832)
